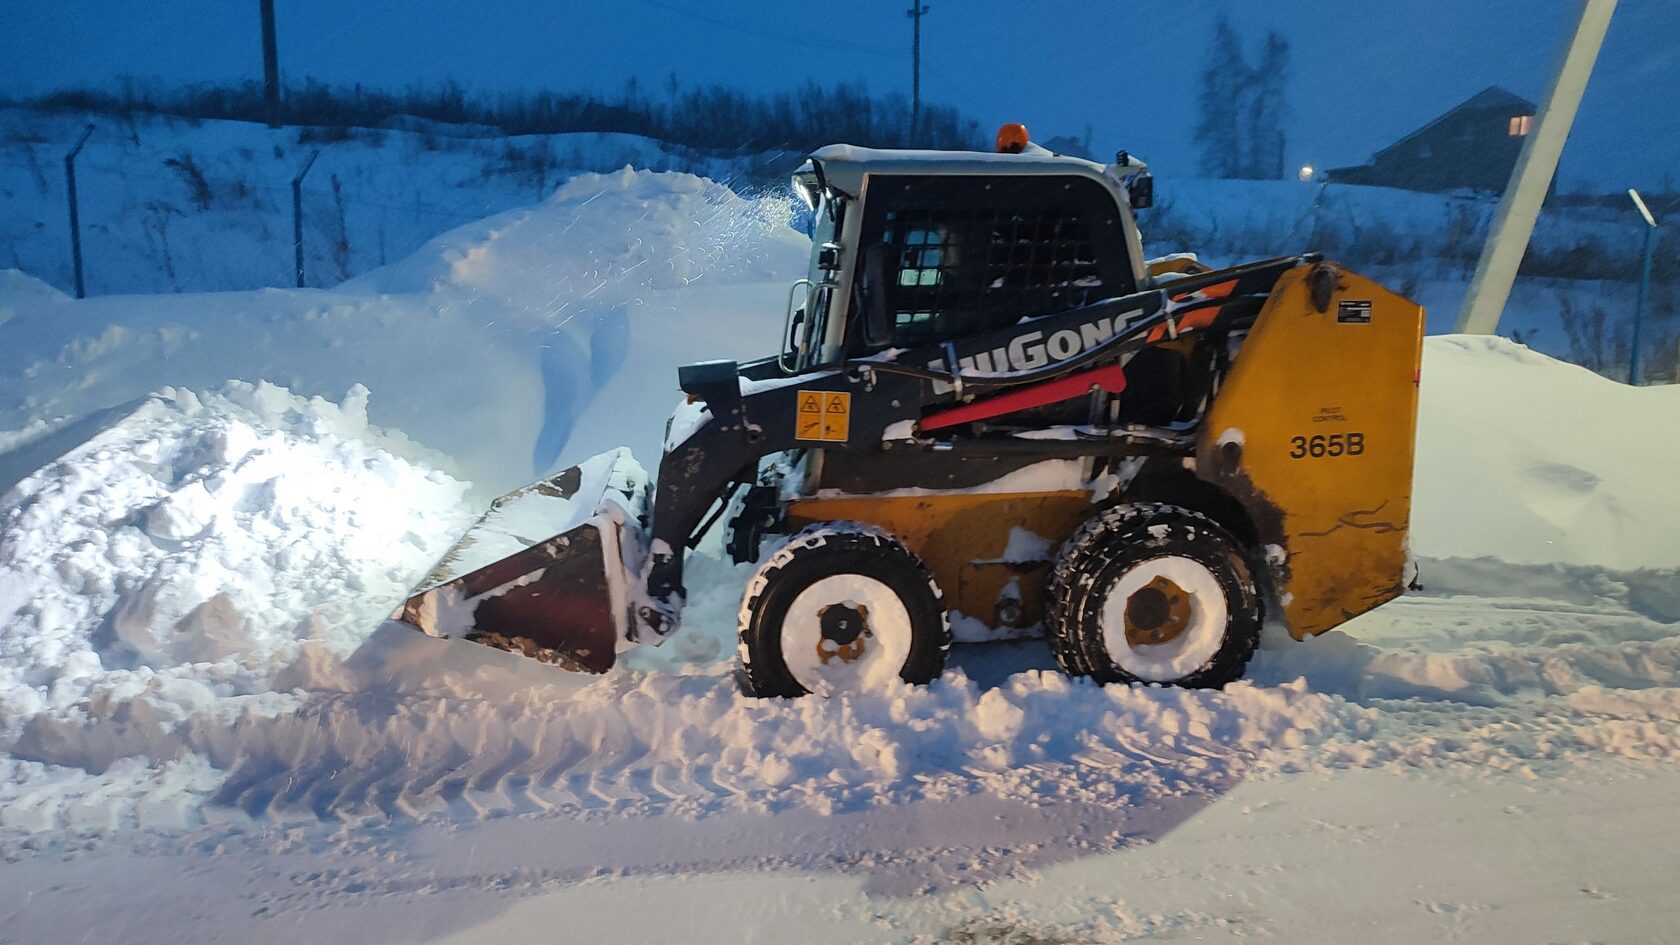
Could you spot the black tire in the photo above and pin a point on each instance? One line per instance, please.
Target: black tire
(828, 550)
(1111, 545)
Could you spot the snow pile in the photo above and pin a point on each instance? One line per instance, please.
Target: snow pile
(603, 240)
(182, 555)
(490, 344)
(1532, 460)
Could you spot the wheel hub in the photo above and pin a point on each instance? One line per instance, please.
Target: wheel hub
(844, 628)
(1156, 613)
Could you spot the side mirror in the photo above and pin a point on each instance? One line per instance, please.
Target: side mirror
(877, 321)
(1141, 192)
(716, 383)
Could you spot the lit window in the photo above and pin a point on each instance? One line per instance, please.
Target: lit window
(1520, 125)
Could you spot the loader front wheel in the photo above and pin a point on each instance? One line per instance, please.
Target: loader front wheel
(1154, 594)
(841, 607)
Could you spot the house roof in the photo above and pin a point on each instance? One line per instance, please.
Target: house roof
(1492, 98)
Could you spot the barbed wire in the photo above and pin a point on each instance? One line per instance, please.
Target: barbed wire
(281, 189)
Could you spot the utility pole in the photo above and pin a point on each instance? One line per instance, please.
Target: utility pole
(1513, 224)
(75, 217)
(271, 64)
(915, 13)
(297, 215)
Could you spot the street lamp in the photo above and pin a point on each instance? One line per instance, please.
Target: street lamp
(1644, 281)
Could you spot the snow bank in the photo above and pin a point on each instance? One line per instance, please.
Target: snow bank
(1531, 460)
(16, 285)
(180, 556)
(490, 344)
(603, 240)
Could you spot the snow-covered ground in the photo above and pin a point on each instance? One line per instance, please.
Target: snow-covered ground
(207, 734)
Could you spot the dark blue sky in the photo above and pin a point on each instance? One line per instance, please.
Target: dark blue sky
(1365, 71)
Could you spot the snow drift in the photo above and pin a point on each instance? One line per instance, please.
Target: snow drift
(186, 552)
(1527, 459)
(490, 344)
(582, 248)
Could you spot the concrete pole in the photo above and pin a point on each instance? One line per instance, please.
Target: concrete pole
(1532, 177)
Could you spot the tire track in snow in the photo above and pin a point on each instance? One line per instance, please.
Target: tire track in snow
(642, 744)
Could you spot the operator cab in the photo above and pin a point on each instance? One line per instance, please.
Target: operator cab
(912, 248)
(918, 247)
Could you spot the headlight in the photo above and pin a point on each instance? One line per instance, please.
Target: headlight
(806, 186)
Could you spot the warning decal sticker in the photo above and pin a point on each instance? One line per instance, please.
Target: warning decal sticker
(837, 417)
(823, 416)
(808, 424)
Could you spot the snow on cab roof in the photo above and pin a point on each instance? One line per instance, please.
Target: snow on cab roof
(844, 165)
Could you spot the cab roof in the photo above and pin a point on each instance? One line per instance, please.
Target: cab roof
(844, 166)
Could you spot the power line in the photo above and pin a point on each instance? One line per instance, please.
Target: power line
(778, 37)
(959, 91)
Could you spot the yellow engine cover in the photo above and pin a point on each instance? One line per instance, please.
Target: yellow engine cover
(1314, 431)
(964, 541)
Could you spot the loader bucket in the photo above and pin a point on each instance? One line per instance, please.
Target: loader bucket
(546, 571)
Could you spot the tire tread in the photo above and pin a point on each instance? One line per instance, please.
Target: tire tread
(761, 670)
(1122, 531)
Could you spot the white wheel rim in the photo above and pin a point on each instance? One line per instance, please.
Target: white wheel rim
(1193, 646)
(877, 656)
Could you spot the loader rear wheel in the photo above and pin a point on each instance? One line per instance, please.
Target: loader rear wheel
(1154, 594)
(841, 607)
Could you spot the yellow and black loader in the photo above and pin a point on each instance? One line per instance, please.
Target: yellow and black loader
(990, 418)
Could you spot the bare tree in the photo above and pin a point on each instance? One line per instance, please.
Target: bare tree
(1242, 108)
(1268, 107)
(1223, 76)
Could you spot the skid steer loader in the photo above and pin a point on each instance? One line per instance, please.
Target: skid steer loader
(989, 418)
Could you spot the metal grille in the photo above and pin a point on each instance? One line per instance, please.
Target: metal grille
(962, 269)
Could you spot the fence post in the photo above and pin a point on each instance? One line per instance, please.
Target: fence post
(297, 214)
(75, 216)
(1644, 283)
